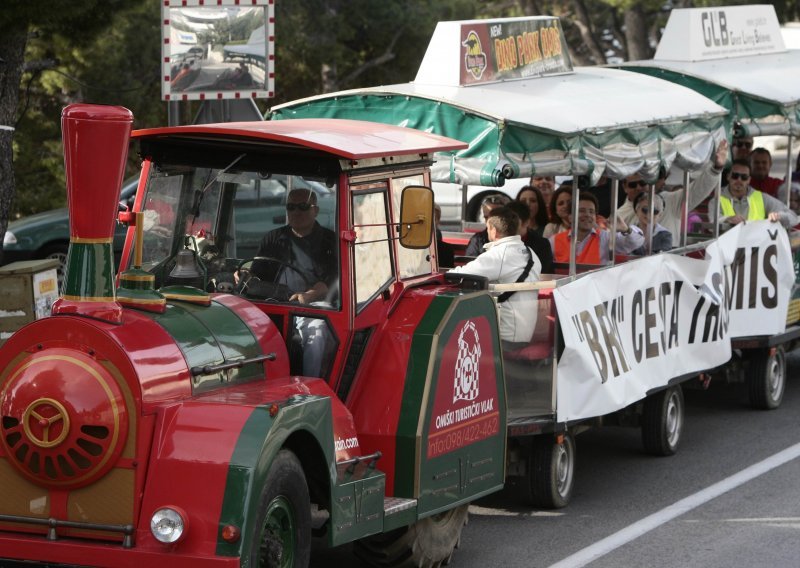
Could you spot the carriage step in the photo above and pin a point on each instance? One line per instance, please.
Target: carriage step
(394, 505)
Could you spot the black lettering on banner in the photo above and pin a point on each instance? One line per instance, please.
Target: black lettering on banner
(590, 331)
(576, 321)
(751, 304)
(636, 310)
(650, 323)
(769, 294)
(673, 322)
(611, 339)
(737, 275)
(695, 317)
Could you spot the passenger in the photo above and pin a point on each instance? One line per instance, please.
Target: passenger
(794, 197)
(739, 202)
(672, 215)
(446, 254)
(301, 254)
(560, 211)
(508, 260)
(533, 198)
(479, 239)
(538, 244)
(742, 145)
(760, 166)
(594, 243)
(546, 185)
(662, 238)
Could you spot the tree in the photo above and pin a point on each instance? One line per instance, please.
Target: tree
(19, 21)
(119, 65)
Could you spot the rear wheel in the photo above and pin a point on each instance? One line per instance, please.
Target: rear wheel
(429, 542)
(283, 523)
(551, 471)
(662, 421)
(766, 379)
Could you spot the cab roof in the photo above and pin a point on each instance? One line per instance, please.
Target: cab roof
(349, 139)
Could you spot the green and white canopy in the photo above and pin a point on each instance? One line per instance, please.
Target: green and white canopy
(736, 57)
(582, 121)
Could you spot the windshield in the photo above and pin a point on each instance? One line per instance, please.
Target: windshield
(267, 236)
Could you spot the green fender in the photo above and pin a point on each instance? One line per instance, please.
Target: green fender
(305, 416)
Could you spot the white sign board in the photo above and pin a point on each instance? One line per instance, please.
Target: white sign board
(698, 34)
(633, 328)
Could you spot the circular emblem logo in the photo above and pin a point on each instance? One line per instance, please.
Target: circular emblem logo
(46, 422)
(467, 364)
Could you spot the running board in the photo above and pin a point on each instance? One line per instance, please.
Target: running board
(395, 505)
(398, 512)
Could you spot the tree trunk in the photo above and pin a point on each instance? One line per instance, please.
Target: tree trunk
(12, 49)
(584, 24)
(636, 33)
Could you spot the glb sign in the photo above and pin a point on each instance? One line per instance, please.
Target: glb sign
(217, 49)
(697, 34)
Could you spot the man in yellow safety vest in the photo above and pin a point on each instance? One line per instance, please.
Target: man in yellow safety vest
(739, 202)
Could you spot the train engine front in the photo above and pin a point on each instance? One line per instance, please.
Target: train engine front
(96, 400)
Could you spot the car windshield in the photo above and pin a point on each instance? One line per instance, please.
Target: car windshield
(241, 227)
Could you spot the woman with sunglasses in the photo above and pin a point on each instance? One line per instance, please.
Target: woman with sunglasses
(662, 237)
(560, 211)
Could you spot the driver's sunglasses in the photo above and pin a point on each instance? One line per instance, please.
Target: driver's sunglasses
(640, 183)
(737, 175)
(299, 206)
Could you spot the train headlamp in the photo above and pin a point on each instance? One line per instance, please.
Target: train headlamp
(168, 525)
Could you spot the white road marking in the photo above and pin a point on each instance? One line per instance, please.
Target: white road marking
(634, 531)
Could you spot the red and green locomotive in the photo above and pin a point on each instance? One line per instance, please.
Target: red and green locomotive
(197, 409)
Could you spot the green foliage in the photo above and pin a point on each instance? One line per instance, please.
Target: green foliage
(118, 65)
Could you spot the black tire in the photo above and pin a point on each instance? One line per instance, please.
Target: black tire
(283, 518)
(551, 472)
(766, 380)
(429, 542)
(662, 421)
(59, 252)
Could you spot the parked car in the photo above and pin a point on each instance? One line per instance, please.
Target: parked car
(46, 234)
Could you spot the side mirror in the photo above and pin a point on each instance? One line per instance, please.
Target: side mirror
(416, 217)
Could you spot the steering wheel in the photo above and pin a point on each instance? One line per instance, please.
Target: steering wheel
(254, 286)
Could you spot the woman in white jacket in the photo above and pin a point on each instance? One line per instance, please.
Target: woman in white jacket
(506, 260)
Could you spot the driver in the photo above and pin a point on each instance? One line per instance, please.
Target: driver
(306, 249)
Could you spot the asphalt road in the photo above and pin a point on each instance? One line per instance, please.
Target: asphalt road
(756, 523)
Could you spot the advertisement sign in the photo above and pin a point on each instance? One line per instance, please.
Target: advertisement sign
(499, 50)
(220, 51)
(466, 408)
(697, 34)
(633, 328)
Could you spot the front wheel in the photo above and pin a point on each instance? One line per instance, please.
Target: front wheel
(662, 421)
(551, 471)
(282, 536)
(766, 379)
(428, 542)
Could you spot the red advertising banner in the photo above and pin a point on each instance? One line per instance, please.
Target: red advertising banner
(520, 49)
(466, 407)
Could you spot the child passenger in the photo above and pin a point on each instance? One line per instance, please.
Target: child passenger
(662, 237)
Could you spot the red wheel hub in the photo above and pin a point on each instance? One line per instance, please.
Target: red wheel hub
(64, 420)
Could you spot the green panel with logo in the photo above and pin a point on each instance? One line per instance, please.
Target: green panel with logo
(451, 436)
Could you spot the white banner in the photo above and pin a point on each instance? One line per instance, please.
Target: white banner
(758, 277)
(634, 327)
